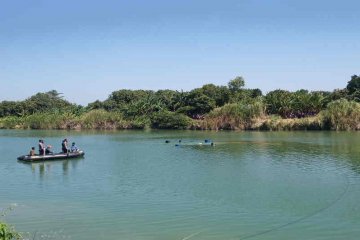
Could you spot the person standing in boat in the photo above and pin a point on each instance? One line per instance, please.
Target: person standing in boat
(64, 146)
(41, 147)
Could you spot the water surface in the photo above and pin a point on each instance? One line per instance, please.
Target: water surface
(133, 185)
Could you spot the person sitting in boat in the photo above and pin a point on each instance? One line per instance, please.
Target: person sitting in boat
(41, 147)
(64, 146)
(32, 151)
(74, 148)
(48, 150)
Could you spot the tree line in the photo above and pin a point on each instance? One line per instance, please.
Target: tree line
(208, 107)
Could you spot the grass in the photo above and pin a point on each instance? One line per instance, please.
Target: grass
(8, 232)
(235, 116)
(339, 115)
(342, 115)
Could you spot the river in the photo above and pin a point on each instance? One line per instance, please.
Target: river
(134, 185)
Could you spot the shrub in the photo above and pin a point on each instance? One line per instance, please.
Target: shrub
(278, 124)
(8, 233)
(235, 116)
(170, 120)
(101, 119)
(342, 115)
(11, 122)
(139, 123)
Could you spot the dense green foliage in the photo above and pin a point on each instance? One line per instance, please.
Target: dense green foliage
(297, 104)
(208, 107)
(39, 103)
(235, 115)
(353, 84)
(8, 233)
(169, 120)
(353, 88)
(342, 115)
(236, 84)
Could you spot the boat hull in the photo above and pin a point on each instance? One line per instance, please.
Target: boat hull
(50, 157)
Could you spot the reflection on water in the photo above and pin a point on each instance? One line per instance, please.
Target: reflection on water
(46, 167)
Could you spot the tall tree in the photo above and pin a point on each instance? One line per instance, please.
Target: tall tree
(220, 94)
(354, 84)
(197, 103)
(279, 102)
(45, 102)
(236, 84)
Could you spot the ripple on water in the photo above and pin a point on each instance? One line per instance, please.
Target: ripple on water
(135, 186)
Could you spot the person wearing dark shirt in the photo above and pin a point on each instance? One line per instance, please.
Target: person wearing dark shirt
(48, 149)
(64, 146)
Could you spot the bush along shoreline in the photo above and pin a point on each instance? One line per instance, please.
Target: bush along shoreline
(211, 107)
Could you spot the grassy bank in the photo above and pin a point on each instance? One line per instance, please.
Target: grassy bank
(339, 115)
(95, 119)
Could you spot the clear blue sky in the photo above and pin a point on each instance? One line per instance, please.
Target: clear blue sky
(87, 49)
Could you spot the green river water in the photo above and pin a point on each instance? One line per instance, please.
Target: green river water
(133, 185)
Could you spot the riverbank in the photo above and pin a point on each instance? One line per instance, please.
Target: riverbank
(348, 119)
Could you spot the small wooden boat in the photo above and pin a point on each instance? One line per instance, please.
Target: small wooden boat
(49, 157)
